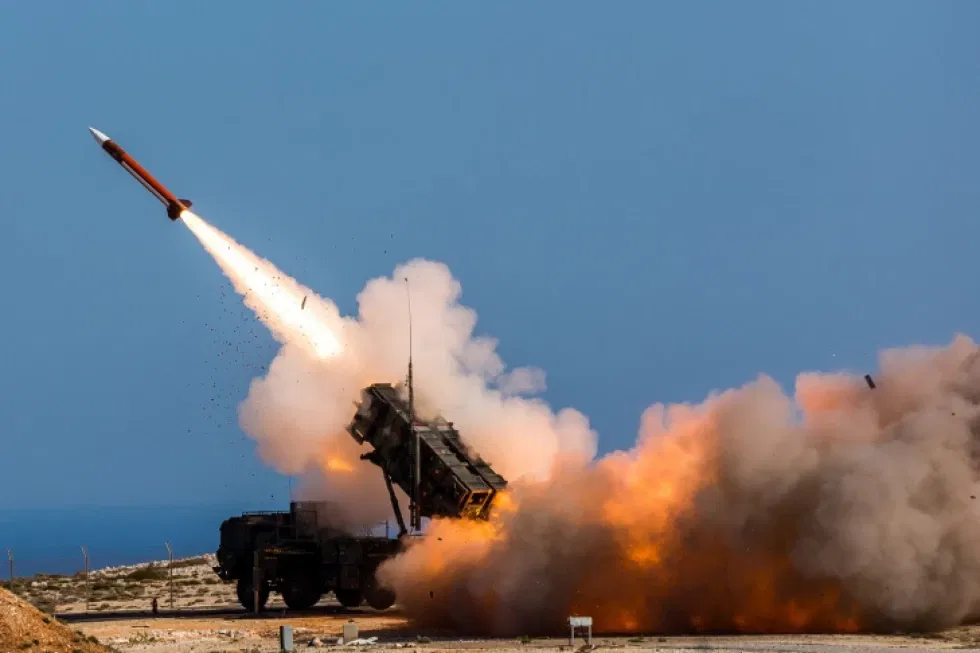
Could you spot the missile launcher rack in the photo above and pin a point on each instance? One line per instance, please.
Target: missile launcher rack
(453, 482)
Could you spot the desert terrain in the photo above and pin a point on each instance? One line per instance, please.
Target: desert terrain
(111, 611)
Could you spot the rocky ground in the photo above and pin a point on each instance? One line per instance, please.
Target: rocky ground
(207, 619)
(129, 588)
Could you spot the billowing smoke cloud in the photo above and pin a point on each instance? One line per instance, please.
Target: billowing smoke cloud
(298, 412)
(841, 509)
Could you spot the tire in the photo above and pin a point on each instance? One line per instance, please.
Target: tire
(300, 592)
(349, 598)
(247, 597)
(378, 597)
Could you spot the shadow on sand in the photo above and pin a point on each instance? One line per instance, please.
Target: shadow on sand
(221, 612)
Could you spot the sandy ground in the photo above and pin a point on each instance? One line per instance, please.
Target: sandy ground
(208, 619)
(25, 628)
(323, 626)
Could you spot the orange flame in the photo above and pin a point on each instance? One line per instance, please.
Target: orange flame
(623, 544)
(338, 465)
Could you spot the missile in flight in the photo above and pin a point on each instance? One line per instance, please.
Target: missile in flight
(174, 205)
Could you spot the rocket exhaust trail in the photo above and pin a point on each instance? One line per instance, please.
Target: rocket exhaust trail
(298, 410)
(277, 299)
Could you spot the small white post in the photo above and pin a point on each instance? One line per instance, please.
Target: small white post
(579, 622)
(286, 639)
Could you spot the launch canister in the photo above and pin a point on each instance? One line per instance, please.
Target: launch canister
(174, 205)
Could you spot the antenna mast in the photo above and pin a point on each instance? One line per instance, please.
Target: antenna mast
(416, 516)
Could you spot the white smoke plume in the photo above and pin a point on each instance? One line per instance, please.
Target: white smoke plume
(299, 410)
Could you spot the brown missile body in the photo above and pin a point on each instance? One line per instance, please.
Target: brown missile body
(174, 205)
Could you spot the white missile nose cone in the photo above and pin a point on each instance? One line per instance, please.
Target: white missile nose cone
(100, 138)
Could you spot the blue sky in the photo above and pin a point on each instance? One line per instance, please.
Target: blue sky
(650, 201)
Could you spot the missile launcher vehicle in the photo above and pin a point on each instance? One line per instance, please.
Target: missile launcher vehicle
(295, 554)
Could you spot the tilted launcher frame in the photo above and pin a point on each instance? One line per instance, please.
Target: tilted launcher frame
(453, 481)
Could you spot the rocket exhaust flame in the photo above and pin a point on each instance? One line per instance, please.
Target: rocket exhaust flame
(277, 299)
(846, 507)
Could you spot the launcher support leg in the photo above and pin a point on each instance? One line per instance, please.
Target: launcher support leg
(402, 531)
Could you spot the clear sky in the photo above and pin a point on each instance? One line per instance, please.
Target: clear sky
(648, 200)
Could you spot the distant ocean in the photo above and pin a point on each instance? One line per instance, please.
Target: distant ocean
(50, 541)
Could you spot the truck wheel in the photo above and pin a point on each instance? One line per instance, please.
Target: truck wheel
(349, 598)
(379, 598)
(300, 593)
(247, 597)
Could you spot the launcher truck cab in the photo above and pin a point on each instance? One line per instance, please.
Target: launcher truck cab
(300, 557)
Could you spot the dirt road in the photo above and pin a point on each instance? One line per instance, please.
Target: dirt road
(238, 633)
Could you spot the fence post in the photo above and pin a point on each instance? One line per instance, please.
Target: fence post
(170, 555)
(256, 580)
(88, 585)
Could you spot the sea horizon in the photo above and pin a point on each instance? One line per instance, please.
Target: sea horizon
(49, 540)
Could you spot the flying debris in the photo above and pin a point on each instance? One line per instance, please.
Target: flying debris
(174, 205)
(870, 381)
(303, 305)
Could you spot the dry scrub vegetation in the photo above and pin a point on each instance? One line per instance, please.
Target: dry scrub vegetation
(127, 588)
